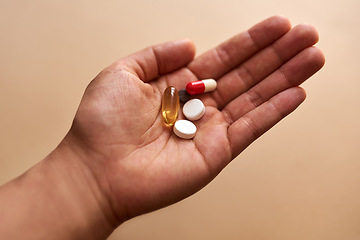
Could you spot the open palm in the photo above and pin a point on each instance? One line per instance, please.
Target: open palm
(138, 162)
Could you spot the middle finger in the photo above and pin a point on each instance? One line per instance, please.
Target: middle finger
(263, 64)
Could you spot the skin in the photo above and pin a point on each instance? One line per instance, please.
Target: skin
(120, 160)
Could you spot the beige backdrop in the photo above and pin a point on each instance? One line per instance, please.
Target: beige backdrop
(301, 180)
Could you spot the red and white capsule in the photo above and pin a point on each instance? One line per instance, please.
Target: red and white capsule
(202, 86)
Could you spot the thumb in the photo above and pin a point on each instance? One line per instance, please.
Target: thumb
(156, 60)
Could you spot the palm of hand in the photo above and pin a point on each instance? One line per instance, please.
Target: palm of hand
(137, 160)
(124, 125)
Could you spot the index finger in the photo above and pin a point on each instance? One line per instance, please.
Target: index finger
(225, 57)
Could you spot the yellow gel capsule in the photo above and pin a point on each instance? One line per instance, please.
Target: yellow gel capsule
(170, 105)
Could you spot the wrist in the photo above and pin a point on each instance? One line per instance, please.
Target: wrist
(78, 191)
(57, 199)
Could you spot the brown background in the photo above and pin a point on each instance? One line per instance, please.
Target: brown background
(301, 180)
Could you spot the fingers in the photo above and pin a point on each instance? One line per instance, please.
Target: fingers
(233, 52)
(253, 124)
(153, 61)
(264, 63)
(291, 74)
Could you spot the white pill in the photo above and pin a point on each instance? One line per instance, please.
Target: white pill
(194, 109)
(184, 129)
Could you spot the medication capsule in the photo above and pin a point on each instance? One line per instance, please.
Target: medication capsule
(202, 86)
(170, 105)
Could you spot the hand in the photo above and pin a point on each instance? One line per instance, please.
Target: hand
(137, 162)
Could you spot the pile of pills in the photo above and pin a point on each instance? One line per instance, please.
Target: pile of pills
(193, 109)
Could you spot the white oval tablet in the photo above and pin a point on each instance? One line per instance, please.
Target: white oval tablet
(194, 109)
(184, 129)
